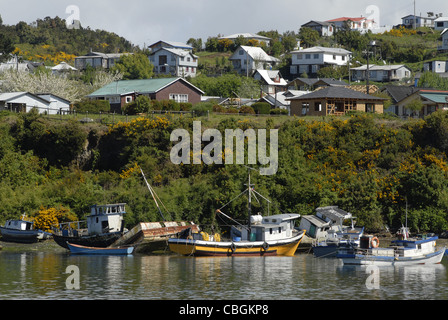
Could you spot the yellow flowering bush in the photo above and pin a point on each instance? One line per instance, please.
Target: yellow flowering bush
(45, 218)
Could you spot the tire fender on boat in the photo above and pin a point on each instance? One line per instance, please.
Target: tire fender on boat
(375, 242)
(233, 247)
(265, 246)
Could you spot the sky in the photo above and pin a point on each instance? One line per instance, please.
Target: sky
(144, 22)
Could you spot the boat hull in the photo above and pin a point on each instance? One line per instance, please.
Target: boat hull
(286, 247)
(77, 249)
(359, 259)
(101, 241)
(21, 236)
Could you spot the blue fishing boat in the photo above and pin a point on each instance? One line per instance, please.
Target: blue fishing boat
(404, 251)
(22, 231)
(78, 249)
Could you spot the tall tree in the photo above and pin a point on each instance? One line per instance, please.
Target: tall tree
(6, 47)
(134, 66)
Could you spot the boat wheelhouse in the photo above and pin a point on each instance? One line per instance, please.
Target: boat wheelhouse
(22, 231)
(104, 226)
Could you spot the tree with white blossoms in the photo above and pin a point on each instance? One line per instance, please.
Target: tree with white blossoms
(46, 82)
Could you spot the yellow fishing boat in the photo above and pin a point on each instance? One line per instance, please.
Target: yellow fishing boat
(262, 236)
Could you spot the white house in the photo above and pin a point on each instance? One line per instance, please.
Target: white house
(409, 21)
(57, 104)
(324, 28)
(97, 60)
(175, 62)
(441, 23)
(444, 45)
(436, 66)
(310, 60)
(386, 73)
(272, 81)
(361, 24)
(25, 101)
(248, 59)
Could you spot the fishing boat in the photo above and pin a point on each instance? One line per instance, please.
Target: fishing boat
(78, 249)
(262, 236)
(403, 251)
(22, 231)
(327, 232)
(104, 226)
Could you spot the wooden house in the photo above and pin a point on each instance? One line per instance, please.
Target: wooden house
(335, 101)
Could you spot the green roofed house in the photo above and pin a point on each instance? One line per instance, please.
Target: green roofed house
(119, 93)
(432, 100)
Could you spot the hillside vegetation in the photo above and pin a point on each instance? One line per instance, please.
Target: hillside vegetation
(366, 164)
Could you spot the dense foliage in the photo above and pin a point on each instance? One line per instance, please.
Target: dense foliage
(366, 164)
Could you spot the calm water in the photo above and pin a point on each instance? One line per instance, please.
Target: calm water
(37, 274)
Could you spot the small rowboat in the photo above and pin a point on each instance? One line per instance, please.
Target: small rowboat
(78, 249)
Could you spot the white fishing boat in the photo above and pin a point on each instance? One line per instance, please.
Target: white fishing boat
(404, 251)
(22, 231)
(262, 236)
(327, 231)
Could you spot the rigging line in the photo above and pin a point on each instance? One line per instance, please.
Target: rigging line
(233, 199)
(152, 194)
(219, 211)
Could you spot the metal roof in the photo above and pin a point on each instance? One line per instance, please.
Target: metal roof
(337, 93)
(139, 86)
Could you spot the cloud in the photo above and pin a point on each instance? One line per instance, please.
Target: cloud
(146, 22)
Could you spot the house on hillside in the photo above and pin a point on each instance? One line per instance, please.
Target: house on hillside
(281, 100)
(441, 23)
(444, 46)
(174, 62)
(122, 92)
(246, 60)
(432, 100)
(361, 24)
(325, 28)
(314, 83)
(25, 101)
(436, 66)
(397, 94)
(271, 81)
(169, 44)
(311, 60)
(335, 101)
(385, 73)
(15, 64)
(247, 37)
(409, 20)
(97, 60)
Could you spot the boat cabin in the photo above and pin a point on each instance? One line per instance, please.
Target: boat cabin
(106, 218)
(19, 225)
(325, 219)
(267, 228)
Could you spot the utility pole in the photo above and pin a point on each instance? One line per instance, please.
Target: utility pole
(415, 18)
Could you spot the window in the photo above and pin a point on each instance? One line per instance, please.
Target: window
(308, 56)
(128, 99)
(334, 57)
(300, 56)
(241, 52)
(316, 56)
(370, 107)
(178, 97)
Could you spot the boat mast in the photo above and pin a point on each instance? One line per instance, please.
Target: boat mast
(152, 194)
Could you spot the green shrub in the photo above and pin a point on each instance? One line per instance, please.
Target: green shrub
(93, 106)
(261, 107)
(247, 110)
(279, 111)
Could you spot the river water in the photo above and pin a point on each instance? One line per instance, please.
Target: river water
(44, 272)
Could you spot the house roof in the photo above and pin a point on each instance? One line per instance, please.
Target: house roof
(11, 96)
(139, 86)
(437, 96)
(255, 53)
(268, 75)
(337, 93)
(323, 50)
(103, 55)
(173, 44)
(398, 93)
(347, 18)
(411, 15)
(314, 22)
(177, 52)
(374, 67)
(316, 81)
